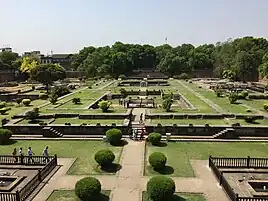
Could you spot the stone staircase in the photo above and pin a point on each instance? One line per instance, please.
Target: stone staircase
(51, 132)
(225, 134)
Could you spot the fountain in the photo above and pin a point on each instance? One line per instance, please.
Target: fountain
(7, 183)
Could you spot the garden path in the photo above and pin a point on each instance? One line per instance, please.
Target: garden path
(129, 182)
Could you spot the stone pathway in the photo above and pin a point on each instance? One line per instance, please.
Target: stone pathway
(129, 182)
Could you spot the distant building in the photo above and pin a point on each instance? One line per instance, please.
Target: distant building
(6, 49)
(64, 60)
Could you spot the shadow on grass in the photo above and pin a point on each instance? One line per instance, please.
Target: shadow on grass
(35, 121)
(161, 144)
(103, 198)
(121, 143)
(9, 142)
(254, 122)
(177, 198)
(167, 170)
(112, 168)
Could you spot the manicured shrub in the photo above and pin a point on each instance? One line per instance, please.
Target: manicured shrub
(5, 135)
(123, 92)
(18, 100)
(218, 93)
(26, 102)
(2, 104)
(88, 188)
(33, 87)
(154, 138)
(258, 96)
(265, 106)
(114, 136)
(158, 160)
(104, 157)
(233, 98)
(33, 114)
(248, 110)
(4, 110)
(160, 188)
(108, 77)
(104, 105)
(250, 119)
(76, 100)
(43, 96)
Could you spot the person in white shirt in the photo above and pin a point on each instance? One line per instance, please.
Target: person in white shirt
(30, 155)
(45, 154)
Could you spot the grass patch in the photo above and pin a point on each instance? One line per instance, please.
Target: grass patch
(87, 121)
(262, 122)
(84, 151)
(179, 197)
(183, 152)
(190, 121)
(36, 121)
(69, 195)
(223, 102)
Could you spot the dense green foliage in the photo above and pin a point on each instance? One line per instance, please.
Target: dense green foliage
(232, 98)
(32, 114)
(104, 157)
(104, 105)
(5, 134)
(167, 103)
(88, 188)
(76, 100)
(114, 136)
(238, 59)
(158, 160)
(26, 102)
(154, 138)
(160, 188)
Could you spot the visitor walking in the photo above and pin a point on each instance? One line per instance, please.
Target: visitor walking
(14, 153)
(30, 155)
(45, 154)
(141, 117)
(142, 133)
(136, 134)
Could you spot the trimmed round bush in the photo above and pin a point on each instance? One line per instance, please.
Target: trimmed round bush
(114, 136)
(88, 188)
(104, 157)
(154, 138)
(5, 135)
(26, 102)
(160, 188)
(158, 160)
(4, 110)
(43, 96)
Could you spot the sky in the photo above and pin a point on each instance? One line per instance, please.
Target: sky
(66, 26)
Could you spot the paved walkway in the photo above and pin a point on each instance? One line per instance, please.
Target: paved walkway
(129, 182)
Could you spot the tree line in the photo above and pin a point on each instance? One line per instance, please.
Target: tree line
(239, 59)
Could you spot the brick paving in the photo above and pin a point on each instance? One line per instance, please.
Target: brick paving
(129, 182)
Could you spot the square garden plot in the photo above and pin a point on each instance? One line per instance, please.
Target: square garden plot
(179, 154)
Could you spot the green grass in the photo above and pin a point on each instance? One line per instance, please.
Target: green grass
(36, 121)
(190, 121)
(87, 121)
(180, 154)
(179, 197)
(84, 151)
(262, 122)
(69, 195)
(223, 102)
(19, 109)
(82, 111)
(256, 104)
(197, 102)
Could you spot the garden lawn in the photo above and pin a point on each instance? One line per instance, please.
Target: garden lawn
(69, 195)
(190, 121)
(84, 151)
(197, 102)
(179, 197)
(36, 121)
(262, 122)
(87, 121)
(256, 104)
(223, 102)
(180, 154)
(19, 109)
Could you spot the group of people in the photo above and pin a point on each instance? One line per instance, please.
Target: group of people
(135, 134)
(30, 154)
